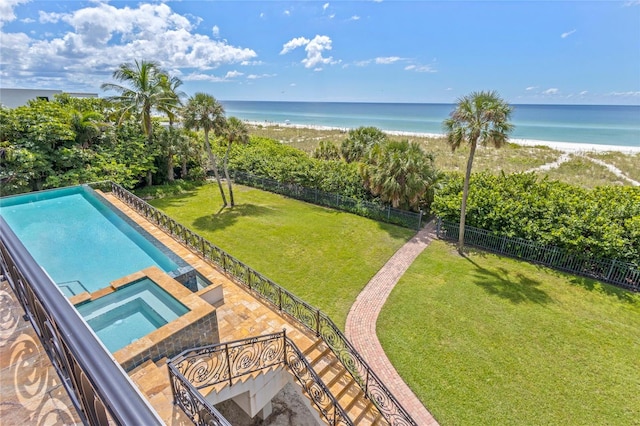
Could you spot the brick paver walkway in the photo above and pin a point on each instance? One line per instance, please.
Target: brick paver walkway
(362, 318)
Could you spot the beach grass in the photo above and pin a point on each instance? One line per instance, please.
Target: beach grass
(489, 340)
(583, 172)
(324, 256)
(511, 158)
(629, 164)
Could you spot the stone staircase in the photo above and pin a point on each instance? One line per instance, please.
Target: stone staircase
(252, 391)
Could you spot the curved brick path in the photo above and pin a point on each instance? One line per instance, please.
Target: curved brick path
(361, 323)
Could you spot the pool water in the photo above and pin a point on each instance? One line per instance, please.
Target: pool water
(131, 312)
(79, 240)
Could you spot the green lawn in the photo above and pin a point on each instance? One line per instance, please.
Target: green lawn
(486, 340)
(324, 256)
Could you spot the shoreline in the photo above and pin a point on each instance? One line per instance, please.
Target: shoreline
(567, 147)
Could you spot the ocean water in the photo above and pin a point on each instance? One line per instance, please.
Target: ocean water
(587, 124)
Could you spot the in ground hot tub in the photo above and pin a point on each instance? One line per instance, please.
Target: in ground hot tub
(131, 312)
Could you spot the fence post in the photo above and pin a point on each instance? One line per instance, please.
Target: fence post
(226, 351)
(419, 219)
(438, 225)
(613, 264)
(280, 298)
(317, 322)
(388, 211)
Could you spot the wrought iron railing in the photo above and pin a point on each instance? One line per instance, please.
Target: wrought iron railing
(286, 302)
(377, 211)
(99, 389)
(224, 362)
(618, 273)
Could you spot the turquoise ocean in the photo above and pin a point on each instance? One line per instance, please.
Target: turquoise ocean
(585, 124)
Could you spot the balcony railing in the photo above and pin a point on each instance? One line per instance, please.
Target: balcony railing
(99, 389)
(199, 368)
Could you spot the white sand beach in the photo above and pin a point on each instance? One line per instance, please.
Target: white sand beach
(568, 147)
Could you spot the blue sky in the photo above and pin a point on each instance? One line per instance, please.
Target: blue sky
(574, 52)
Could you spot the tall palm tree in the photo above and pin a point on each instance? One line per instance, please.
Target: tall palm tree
(204, 112)
(142, 91)
(235, 131)
(171, 102)
(478, 117)
(170, 105)
(400, 172)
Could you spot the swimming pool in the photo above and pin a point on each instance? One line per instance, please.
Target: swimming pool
(80, 240)
(131, 312)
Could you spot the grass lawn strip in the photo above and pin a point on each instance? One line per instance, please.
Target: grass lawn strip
(324, 256)
(489, 340)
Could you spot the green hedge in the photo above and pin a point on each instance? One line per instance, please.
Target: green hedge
(271, 159)
(603, 222)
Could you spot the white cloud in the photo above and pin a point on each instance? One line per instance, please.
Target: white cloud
(7, 13)
(625, 94)
(203, 77)
(98, 38)
(333, 15)
(314, 49)
(567, 34)
(287, 12)
(362, 63)
(257, 76)
(584, 92)
(294, 44)
(325, 6)
(530, 88)
(233, 74)
(448, 89)
(419, 68)
(261, 15)
(354, 18)
(293, 85)
(387, 60)
(551, 91)
(632, 3)
(314, 52)
(215, 31)
(27, 21)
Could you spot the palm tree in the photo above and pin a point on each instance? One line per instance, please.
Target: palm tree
(204, 112)
(359, 141)
(234, 131)
(479, 117)
(400, 172)
(86, 125)
(141, 92)
(170, 105)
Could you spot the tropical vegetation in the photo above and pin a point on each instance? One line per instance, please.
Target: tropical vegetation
(600, 222)
(480, 117)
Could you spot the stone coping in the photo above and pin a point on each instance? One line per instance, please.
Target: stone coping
(198, 309)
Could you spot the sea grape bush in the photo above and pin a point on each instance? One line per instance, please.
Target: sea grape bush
(602, 222)
(271, 159)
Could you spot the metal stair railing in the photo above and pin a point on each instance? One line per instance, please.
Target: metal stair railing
(310, 317)
(199, 368)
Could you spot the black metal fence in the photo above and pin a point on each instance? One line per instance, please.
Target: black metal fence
(99, 389)
(286, 302)
(199, 368)
(621, 274)
(383, 213)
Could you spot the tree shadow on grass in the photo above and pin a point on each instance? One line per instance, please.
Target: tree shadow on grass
(517, 288)
(226, 217)
(595, 286)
